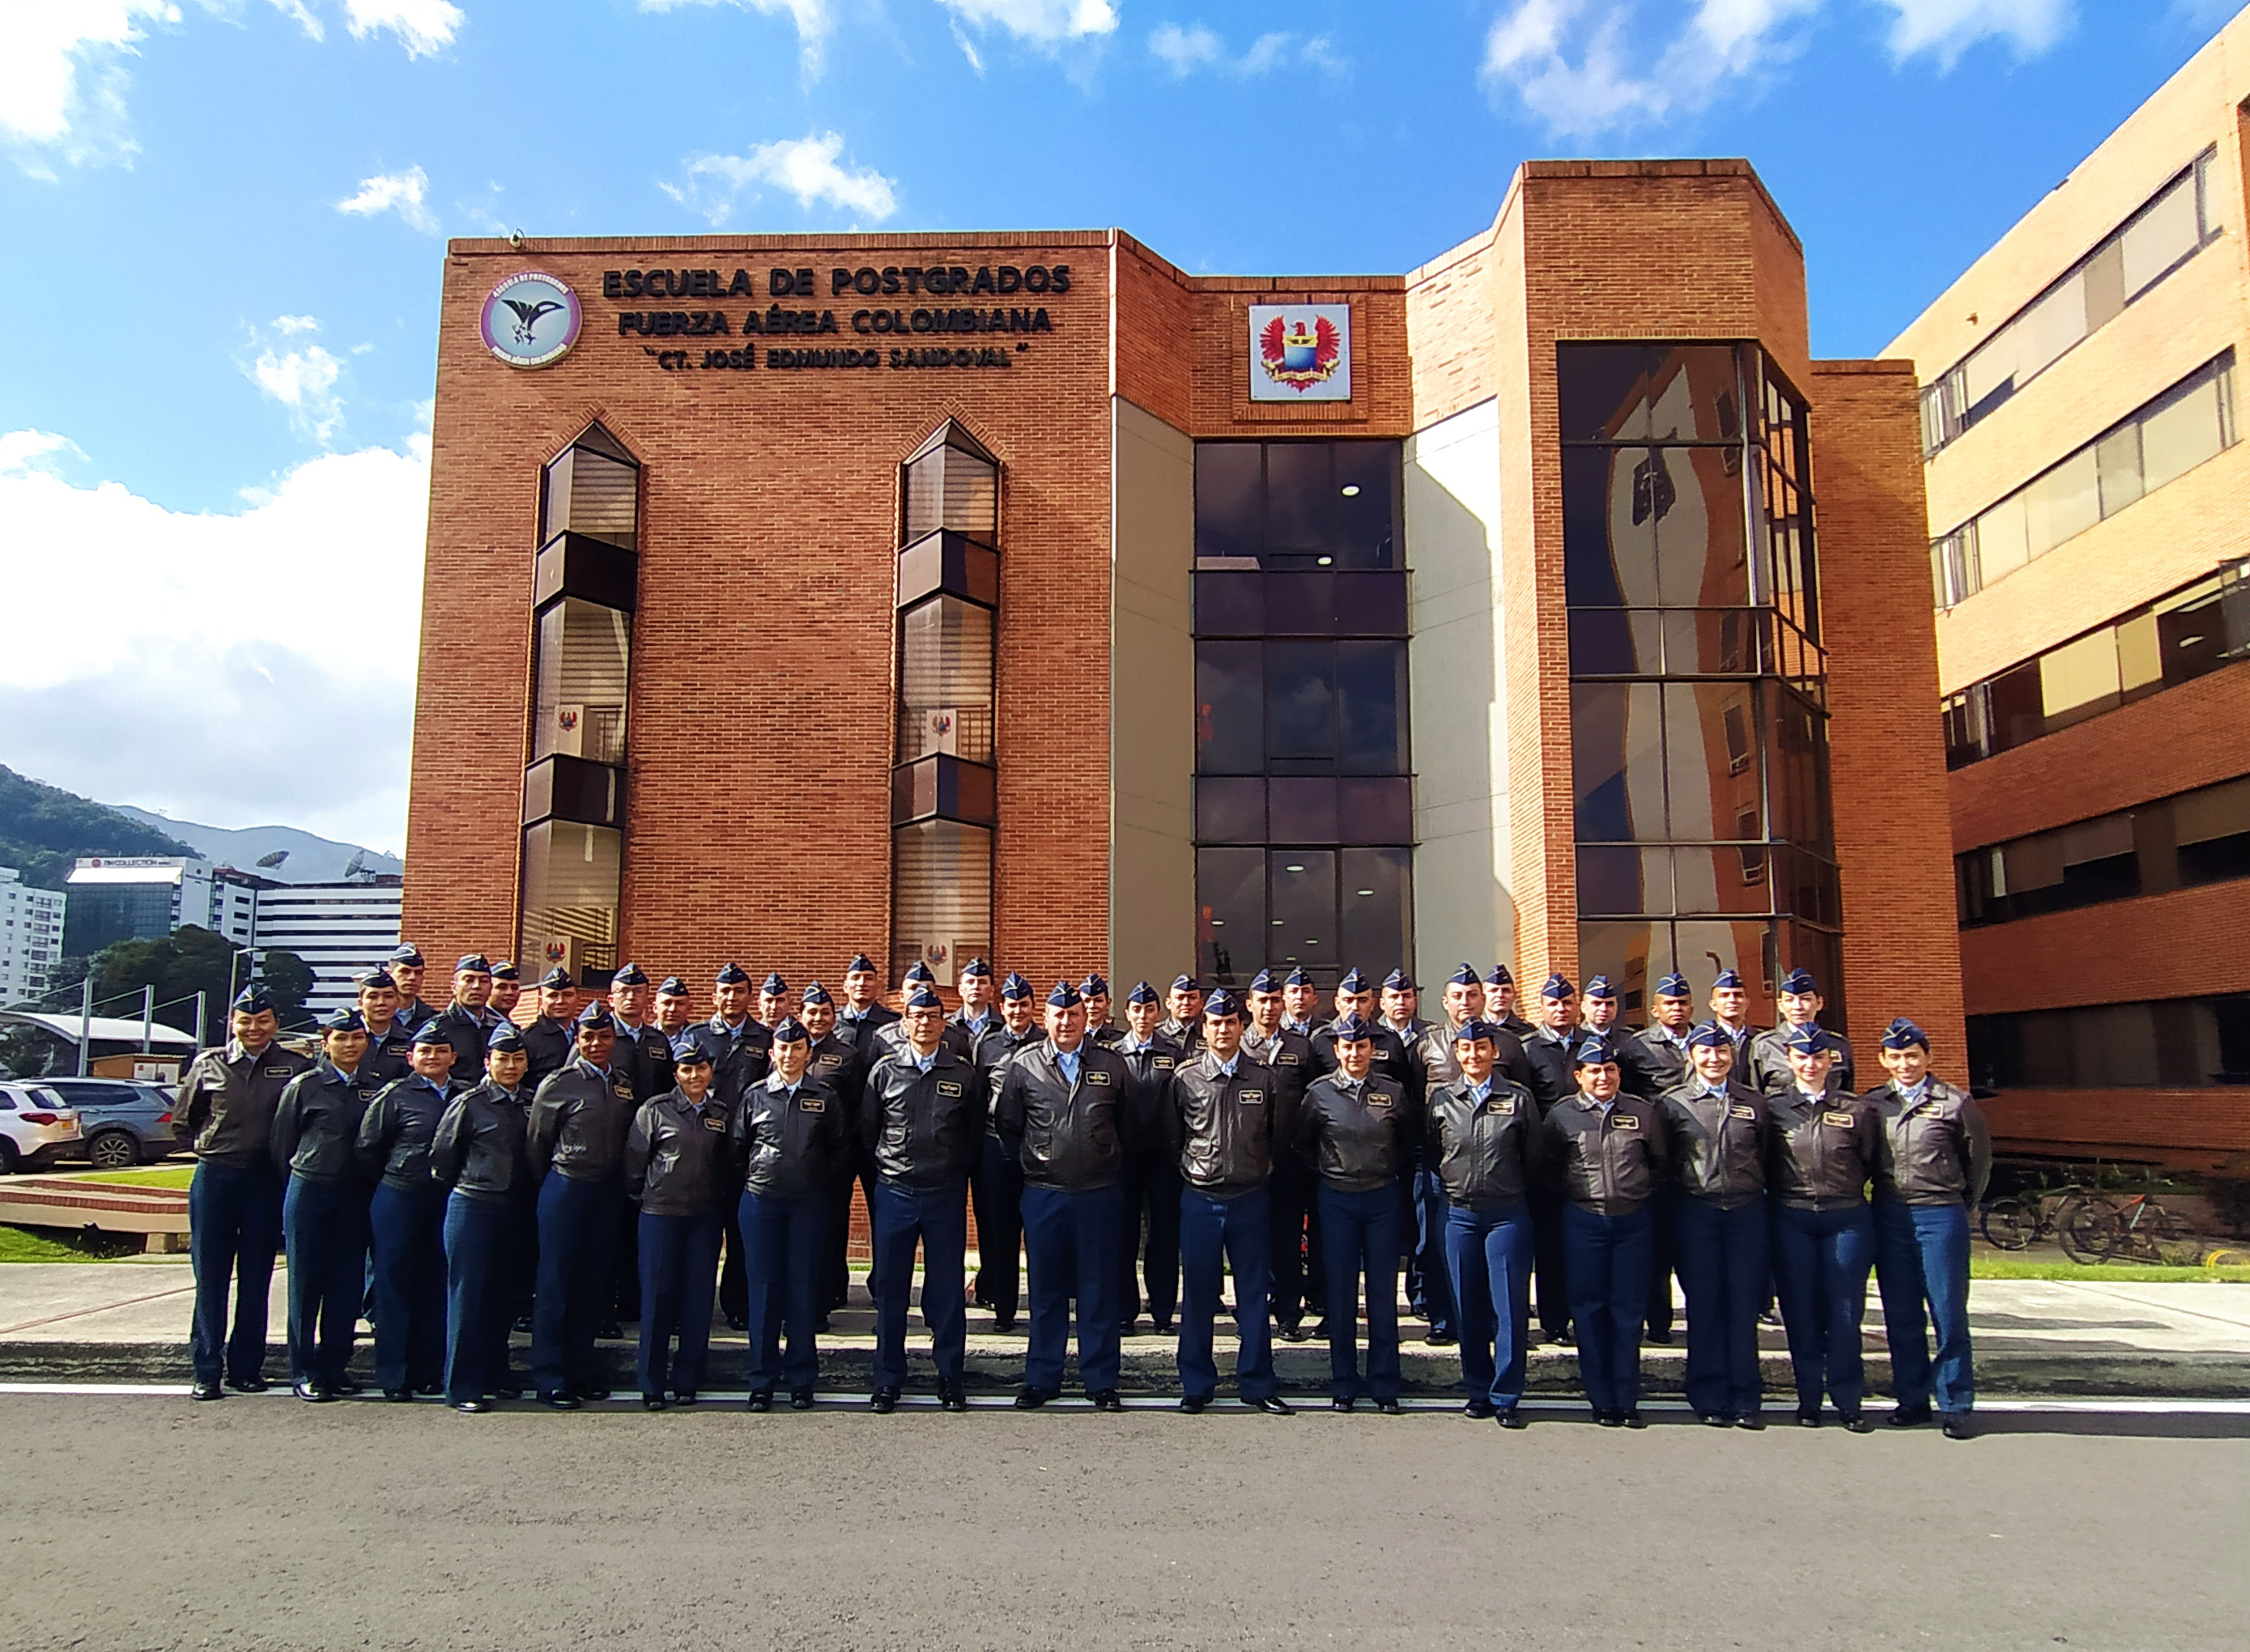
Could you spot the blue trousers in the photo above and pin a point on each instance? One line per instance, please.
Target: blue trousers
(1488, 1264)
(1721, 1258)
(783, 1248)
(1151, 1195)
(1239, 1229)
(1607, 1260)
(324, 1225)
(1359, 1235)
(1820, 1263)
(234, 1227)
(1297, 1274)
(409, 1230)
(1922, 1255)
(477, 1311)
(996, 1188)
(937, 1218)
(1429, 1273)
(577, 1221)
(1071, 1239)
(678, 1259)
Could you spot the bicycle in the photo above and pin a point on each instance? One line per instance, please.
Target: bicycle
(2136, 1228)
(2022, 1219)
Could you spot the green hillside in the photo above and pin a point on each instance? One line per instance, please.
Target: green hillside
(43, 829)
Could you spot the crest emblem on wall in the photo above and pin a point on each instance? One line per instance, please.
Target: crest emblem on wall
(1300, 352)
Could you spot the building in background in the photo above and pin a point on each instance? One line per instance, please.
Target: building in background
(339, 929)
(31, 937)
(1025, 595)
(2089, 518)
(141, 897)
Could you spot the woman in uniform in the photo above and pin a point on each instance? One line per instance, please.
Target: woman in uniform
(1935, 1158)
(789, 1139)
(1822, 1153)
(324, 1212)
(676, 1160)
(407, 1218)
(477, 1153)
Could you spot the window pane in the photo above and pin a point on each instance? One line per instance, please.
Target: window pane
(942, 899)
(2203, 629)
(2016, 711)
(1230, 604)
(1633, 955)
(2216, 811)
(1371, 604)
(2049, 328)
(1694, 393)
(1367, 510)
(2064, 502)
(1230, 811)
(1230, 708)
(1609, 553)
(2165, 234)
(2105, 285)
(1301, 603)
(2180, 434)
(1723, 881)
(1617, 761)
(2078, 679)
(1613, 880)
(1797, 772)
(583, 653)
(1302, 926)
(1713, 642)
(948, 488)
(571, 883)
(591, 493)
(1615, 642)
(2117, 464)
(1603, 391)
(1751, 946)
(2001, 545)
(1697, 502)
(1301, 810)
(1371, 704)
(1231, 912)
(1229, 497)
(1378, 903)
(1301, 498)
(1710, 751)
(1300, 695)
(1375, 811)
(945, 680)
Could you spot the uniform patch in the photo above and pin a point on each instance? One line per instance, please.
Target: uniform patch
(1624, 1120)
(813, 1103)
(1502, 1105)
(280, 1072)
(946, 1087)
(1740, 1111)
(1250, 1095)
(830, 1060)
(623, 1092)
(1162, 1063)
(1097, 1077)
(1843, 1118)
(714, 1124)
(1289, 1061)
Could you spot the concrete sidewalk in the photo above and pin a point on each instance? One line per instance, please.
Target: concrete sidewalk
(128, 1321)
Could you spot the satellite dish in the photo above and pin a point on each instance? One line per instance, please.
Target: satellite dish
(274, 859)
(356, 865)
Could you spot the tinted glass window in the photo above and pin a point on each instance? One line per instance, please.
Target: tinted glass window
(1230, 498)
(1371, 703)
(1301, 700)
(1230, 708)
(1230, 894)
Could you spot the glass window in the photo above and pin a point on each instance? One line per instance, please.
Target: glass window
(1230, 810)
(2063, 503)
(1374, 810)
(1711, 769)
(2167, 231)
(1376, 920)
(1617, 761)
(1301, 808)
(1371, 707)
(2181, 431)
(1701, 556)
(2078, 680)
(591, 493)
(1612, 878)
(1230, 603)
(953, 486)
(1369, 478)
(584, 651)
(942, 896)
(571, 877)
(1301, 700)
(1301, 500)
(945, 680)
(1231, 902)
(1302, 903)
(1609, 551)
(1642, 392)
(1230, 708)
(1230, 500)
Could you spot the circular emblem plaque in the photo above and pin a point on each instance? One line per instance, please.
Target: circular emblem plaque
(530, 320)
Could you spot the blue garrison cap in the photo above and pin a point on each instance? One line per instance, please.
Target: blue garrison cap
(1092, 986)
(1186, 984)
(1475, 1029)
(790, 1031)
(733, 974)
(1297, 977)
(596, 1017)
(773, 985)
(691, 1054)
(1593, 1052)
(1809, 1040)
(1143, 993)
(630, 976)
(1711, 1033)
(342, 1020)
(408, 954)
(473, 964)
(1353, 1029)
(1501, 976)
(672, 986)
(1265, 981)
(558, 976)
(1558, 986)
(1729, 980)
(975, 967)
(1399, 982)
(1065, 996)
(430, 1033)
(1799, 981)
(378, 978)
(506, 970)
(918, 975)
(1673, 986)
(1221, 1003)
(1600, 987)
(1904, 1035)
(1354, 981)
(924, 998)
(1015, 986)
(861, 965)
(255, 1000)
(1463, 975)
(814, 993)
(506, 1036)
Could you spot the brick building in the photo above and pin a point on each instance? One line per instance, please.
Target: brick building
(2089, 543)
(1023, 594)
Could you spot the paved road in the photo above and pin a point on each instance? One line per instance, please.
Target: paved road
(263, 1522)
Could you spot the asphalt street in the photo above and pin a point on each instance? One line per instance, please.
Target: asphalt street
(144, 1521)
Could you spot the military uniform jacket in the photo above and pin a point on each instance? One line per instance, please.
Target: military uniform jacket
(740, 1056)
(1822, 1153)
(970, 1039)
(1667, 1052)
(1719, 1143)
(1607, 1160)
(1435, 1068)
(1769, 1061)
(859, 1030)
(395, 1131)
(1361, 1136)
(226, 1100)
(386, 1056)
(1936, 1150)
(1639, 1074)
(1225, 1126)
(412, 1014)
(923, 1129)
(1484, 1151)
(678, 1162)
(1391, 1061)
(316, 1123)
(1068, 1137)
(1554, 1067)
(579, 1121)
(1149, 1094)
(835, 1062)
(1108, 1035)
(1290, 1057)
(644, 1054)
(467, 1029)
(1188, 1035)
(478, 1148)
(552, 1044)
(791, 1143)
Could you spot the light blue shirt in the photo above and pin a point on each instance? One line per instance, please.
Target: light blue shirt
(1067, 1060)
(1226, 1069)
(1481, 1093)
(1910, 1096)
(922, 1063)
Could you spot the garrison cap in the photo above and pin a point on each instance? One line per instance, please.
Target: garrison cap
(1904, 1035)
(1594, 1052)
(1353, 1029)
(1220, 1004)
(691, 1054)
(378, 979)
(1186, 984)
(861, 965)
(1093, 986)
(1600, 987)
(558, 976)
(1710, 1035)
(1463, 975)
(1015, 988)
(254, 999)
(1297, 977)
(596, 1017)
(631, 975)
(1265, 981)
(814, 993)
(788, 1030)
(1354, 981)
(430, 1033)
(473, 964)
(1476, 1030)
(733, 974)
(1799, 981)
(924, 998)
(1501, 976)
(506, 970)
(1673, 986)
(975, 967)
(1558, 986)
(1065, 996)
(1399, 982)
(672, 986)
(1728, 980)
(408, 953)
(1143, 993)
(773, 985)
(346, 1020)
(918, 975)
(1809, 1040)
(506, 1037)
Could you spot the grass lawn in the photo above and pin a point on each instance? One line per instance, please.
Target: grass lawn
(154, 1176)
(25, 1244)
(1986, 1264)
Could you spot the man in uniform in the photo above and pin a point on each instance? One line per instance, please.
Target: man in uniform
(1354, 996)
(1801, 1004)
(1184, 1025)
(673, 1014)
(774, 1004)
(1152, 1172)
(1731, 1002)
(552, 1037)
(225, 1106)
(923, 1120)
(507, 991)
(387, 1042)
(1663, 1041)
(1058, 1104)
(406, 968)
(468, 1021)
(1499, 1003)
(976, 1016)
(643, 1054)
(1298, 1259)
(1552, 1050)
(1221, 1123)
(833, 1062)
(996, 1182)
(1099, 1027)
(1638, 1074)
(576, 1143)
(1401, 1005)
(1301, 1001)
(738, 1047)
(864, 1010)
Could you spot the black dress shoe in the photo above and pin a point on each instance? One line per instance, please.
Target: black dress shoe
(1955, 1425)
(652, 1402)
(685, 1397)
(1634, 1420)
(1107, 1400)
(1341, 1402)
(1479, 1407)
(610, 1331)
(427, 1390)
(1388, 1407)
(1004, 1322)
(1194, 1403)
(206, 1391)
(248, 1385)
(512, 1391)
(1320, 1331)
(1512, 1418)
(742, 1321)
(1273, 1405)
(1909, 1417)
(1751, 1421)
(1808, 1419)
(313, 1392)
(594, 1395)
(1292, 1331)
(1661, 1338)
(557, 1401)
(522, 1325)
(951, 1396)
(760, 1400)
(883, 1402)
(1127, 1327)
(1163, 1327)
(820, 1323)
(346, 1387)
(473, 1408)
(800, 1399)
(1609, 1419)
(399, 1396)
(1032, 1399)
(1440, 1340)
(1859, 1422)
(1565, 1338)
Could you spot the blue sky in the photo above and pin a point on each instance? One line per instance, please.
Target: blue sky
(225, 218)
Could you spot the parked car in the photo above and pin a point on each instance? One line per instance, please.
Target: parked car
(123, 1122)
(37, 1127)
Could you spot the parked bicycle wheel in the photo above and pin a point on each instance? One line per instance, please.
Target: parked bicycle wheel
(2091, 1231)
(2158, 1238)
(2007, 1225)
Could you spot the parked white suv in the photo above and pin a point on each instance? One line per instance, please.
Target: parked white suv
(37, 1127)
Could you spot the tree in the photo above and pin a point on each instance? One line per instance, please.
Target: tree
(191, 959)
(43, 829)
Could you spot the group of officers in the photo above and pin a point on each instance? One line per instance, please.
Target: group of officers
(452, 1173)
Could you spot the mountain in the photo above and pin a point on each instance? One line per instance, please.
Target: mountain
(310, 859)
(43, 829)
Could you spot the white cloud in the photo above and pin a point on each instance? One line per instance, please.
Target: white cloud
(1045, 23)
(21, 452)
(302, 14)
(815, 21)
(302, 379)
(191, 661)
(399, 192)
(1947, 28)
(423, 27)
(807, 168)
(62, 78)
(1185, 50)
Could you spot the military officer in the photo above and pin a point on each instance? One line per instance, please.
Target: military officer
(479, 1154)
(672, 1010)
(774, 1001)
(1059, 1104)
(920, 1123)
(644, 1054)
(1151, 1203)
(996, 1184)
(1435, 1054)
(1826, 1145)
(976, 1016)
(468, 1018)
(1935, 1158)
(1298, 1260)
(1500, 1002)
(1801, 1004)
(1099, 1027)
(1730, 1001)
(1641, 1076)
(1354, 996)
(580, 1118)
(1182, 1023)
(789, 1142)
(864, 1011)
(1222, 1124)
(552, 1036)
(678, 1169)
(507, 989)
(737, 1044)
(324, 1212)
(387, 1042)
(1550, 1051)
(406, 1219)
(832, 1061)
(891, 1036)
(1360, 1132)
(225, 1106)
(1606, 1150)
(1719, 1132)
(1301, 1003)
(406, 968)
(1401, 1002)
(1663, 1041)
